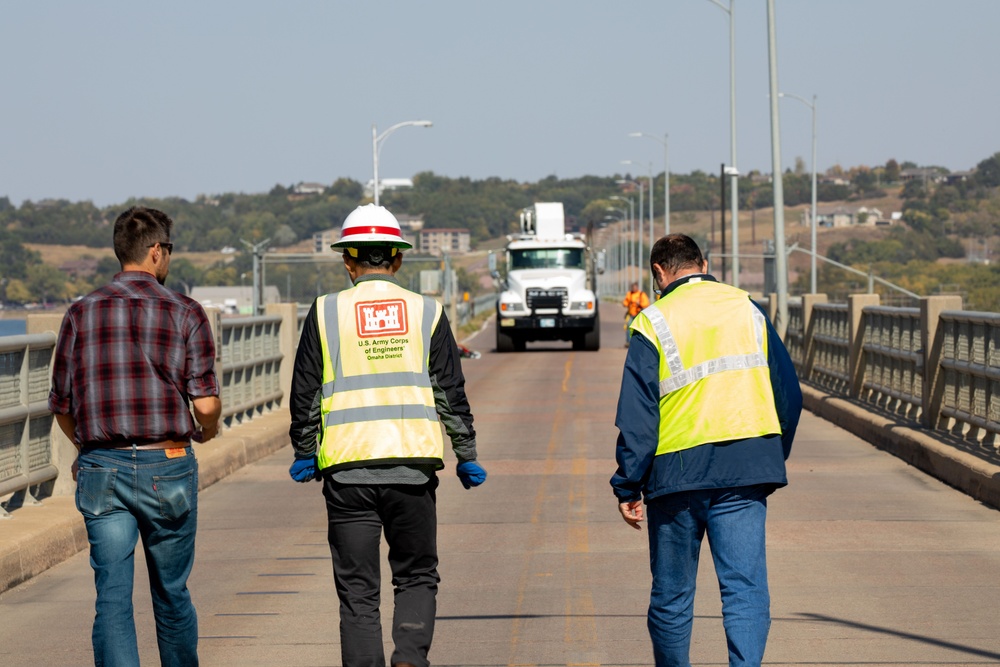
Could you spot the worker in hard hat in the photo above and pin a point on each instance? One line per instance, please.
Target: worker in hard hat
(377, 372)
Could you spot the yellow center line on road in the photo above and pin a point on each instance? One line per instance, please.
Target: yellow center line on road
(580, 627)
(537, 538)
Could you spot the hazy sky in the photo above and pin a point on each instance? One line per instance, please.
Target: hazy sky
(105, 100)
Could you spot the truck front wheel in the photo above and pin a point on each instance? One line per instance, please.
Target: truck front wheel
(592, 339)
(505, 342)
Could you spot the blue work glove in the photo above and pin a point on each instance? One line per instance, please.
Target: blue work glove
(471, 474)
(304, 470)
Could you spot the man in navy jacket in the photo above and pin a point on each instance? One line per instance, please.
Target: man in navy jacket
(719, 488)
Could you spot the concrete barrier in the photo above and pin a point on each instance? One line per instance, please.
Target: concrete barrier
(971, 474)
(38, 537)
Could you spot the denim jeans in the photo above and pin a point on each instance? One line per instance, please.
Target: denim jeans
(734, 521)
(357, 517)
(125, 494)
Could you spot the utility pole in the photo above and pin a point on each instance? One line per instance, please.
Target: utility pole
(258, 276)
(722, 217)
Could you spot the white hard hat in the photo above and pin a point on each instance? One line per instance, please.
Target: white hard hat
(371, 225)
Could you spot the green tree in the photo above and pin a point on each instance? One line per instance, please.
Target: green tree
(17, 291)
(47, 283)
(988, 171)
(183, 275)
(892, 171)
(348, 189)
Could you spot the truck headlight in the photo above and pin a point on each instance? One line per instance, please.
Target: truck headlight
(511, 307)
(581, 305)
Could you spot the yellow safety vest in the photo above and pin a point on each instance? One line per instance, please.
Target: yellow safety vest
(715, 384)
(378, 404)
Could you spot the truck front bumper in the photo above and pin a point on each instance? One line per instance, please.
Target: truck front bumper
(547, 327)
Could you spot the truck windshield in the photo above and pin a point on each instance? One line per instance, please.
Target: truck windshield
(547, 258)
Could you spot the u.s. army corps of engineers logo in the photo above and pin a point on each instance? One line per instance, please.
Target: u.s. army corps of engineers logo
(381, 318)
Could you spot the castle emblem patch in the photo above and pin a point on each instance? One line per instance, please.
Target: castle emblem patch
(381, 318)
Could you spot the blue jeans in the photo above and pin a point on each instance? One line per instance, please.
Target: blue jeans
(734, 520)
(125, 494)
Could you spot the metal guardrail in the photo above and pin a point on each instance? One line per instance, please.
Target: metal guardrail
(25, 420)
(468, 309)
(251, 363)
(249, 367)
(893, 359)
(832, 346)
(951, 383)
(970, 359)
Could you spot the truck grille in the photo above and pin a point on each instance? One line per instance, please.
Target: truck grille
(547, 298)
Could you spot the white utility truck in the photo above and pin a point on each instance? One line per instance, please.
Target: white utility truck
(549, 289)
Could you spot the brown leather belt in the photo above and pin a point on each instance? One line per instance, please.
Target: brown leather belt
(164, 444)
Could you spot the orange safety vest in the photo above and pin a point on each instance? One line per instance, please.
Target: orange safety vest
(636, 302)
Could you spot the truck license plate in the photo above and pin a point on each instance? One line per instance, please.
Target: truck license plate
(547, 323)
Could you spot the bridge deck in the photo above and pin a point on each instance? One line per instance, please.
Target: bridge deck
(871, 561)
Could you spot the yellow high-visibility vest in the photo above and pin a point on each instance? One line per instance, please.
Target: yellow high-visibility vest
(715, 384)
(378, 404)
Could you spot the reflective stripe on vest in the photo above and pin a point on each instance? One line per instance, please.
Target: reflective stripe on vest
(680, 376)
(377, 399)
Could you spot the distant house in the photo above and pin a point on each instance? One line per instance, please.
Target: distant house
(439, 241)
(959, 177)
(323, 240)
(925, 174)
(843, 216)
(309, 189)
(867, 216)
(833, 180)
(413, 223)
(830, 216)
(81, 267)
(388, 184)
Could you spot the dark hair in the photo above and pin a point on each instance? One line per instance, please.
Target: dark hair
(675, 252)
(375, 256)
(136, 230)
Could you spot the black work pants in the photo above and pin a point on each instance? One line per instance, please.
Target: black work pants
(357, 516)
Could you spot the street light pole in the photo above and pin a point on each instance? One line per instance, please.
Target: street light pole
(377, 140)
(734, 176)
(666, 183)
(812, 210)
(780, 255)
(641, 200)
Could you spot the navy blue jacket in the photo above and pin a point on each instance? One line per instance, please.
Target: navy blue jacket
(711, 466)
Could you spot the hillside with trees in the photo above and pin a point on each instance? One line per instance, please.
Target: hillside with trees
(945, 221)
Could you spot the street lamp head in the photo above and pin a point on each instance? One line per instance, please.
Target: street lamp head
(635, 134)
(423, 123)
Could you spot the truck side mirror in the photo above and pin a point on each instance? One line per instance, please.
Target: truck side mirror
(492, 260)
(602, 260)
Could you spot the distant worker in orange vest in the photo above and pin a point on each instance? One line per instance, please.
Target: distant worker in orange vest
(635, 301)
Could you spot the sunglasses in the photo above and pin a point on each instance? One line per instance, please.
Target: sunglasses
(169, 247)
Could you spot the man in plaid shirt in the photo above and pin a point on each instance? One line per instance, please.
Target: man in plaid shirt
(131, 358)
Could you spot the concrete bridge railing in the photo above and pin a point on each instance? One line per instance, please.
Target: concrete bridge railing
(253, 362)
(922, 382)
